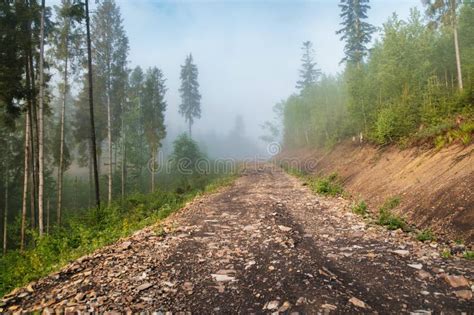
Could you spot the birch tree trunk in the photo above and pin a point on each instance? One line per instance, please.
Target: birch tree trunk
(458, 57)
(25, 180)
(40, 124)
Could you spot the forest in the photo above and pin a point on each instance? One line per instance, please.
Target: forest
(412, 86)
(69, 100)
(81, 132)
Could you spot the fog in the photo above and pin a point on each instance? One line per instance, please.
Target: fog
(247, 52)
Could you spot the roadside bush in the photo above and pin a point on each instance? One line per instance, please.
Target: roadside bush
(360, 208)
(425, 235)
(388, 219)
(328, 185)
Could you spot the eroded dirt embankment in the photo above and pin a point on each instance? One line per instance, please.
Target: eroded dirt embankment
(435, 186)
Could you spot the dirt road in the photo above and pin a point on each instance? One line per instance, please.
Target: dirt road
(265, 244)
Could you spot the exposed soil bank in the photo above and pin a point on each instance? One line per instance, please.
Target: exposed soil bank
(435, 186)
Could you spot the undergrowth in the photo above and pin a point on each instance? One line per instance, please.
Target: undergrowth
(425, 235)
(390, 220)
(89, 230)
(360, 208)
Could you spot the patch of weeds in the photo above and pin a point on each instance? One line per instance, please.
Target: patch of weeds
(328, 185)
(469, 254)
(159, 231)
(389, 219)
(425, 235)
(446, 254)
(360, 208)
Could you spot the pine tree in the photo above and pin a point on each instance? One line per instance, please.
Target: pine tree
(135, 141)
(66, 39)
(93, 144)
(190, 107)
(154, 106)
(110, 51)
(309, 73)
(355, 31)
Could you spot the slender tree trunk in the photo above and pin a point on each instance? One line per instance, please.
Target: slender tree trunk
(61, 145)
(48, 211)
(458, 57)
(91, 180)
(5, 215)
(33, 156)
(124, 162)
(25, 180)
(153, 170)
(446, 77)
(32, 178)
(189, 128)
(34, 137)
(91, 108)
(109, 138)
(41, 126)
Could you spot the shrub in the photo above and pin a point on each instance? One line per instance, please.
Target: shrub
(469, 255)
(328, 186)
(425, 235)
(360, 208)
(388, 219)
(446, 254)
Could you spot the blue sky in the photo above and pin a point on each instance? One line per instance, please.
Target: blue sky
(248, 52)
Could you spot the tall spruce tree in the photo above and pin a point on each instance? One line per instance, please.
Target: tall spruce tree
(153, 107)
(309, 73)
(190, 107)
(110, 49)
(355, 31)
(66, 41)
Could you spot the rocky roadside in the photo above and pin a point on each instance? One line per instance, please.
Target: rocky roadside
(266, 244)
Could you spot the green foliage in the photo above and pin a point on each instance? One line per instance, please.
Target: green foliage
(356, 32)
(468, 255)
(360, 208)
(406, 91)
(188, 162)
(309, 73)
(327, 185)
(389, 219)
(91, 229)
(153, 107)
(446, 254)
(425, 235)
(190, 106)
